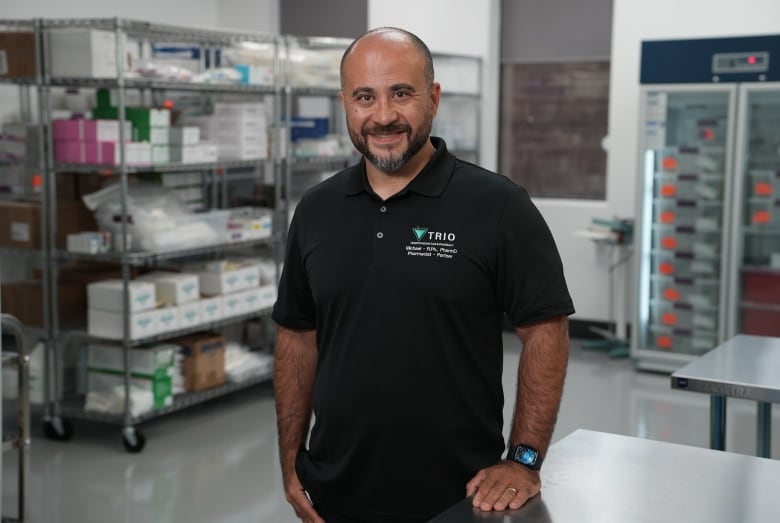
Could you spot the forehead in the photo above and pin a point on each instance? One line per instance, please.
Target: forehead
(384, 57)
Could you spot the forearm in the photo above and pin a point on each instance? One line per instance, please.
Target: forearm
(541, 374)
(294, 371)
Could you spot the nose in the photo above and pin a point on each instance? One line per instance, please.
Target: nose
(385, 112)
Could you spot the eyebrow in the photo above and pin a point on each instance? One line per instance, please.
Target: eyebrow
(393, 88)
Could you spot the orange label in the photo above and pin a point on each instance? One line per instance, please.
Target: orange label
(665, 342)
(761, 217)
(669, 163)
(668, 217)
(669, 242)
(669, 318)
(665, 268)
(762, 189)
(668, 190)
(671, 294)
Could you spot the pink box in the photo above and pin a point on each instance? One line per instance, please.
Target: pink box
(96, 153)
(89, 130)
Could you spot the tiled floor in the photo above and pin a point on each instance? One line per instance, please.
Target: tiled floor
(218, 462)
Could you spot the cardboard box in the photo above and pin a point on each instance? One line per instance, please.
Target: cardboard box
(20, 223)
(203, 366)
(82, 52)
(17, 54)
(224, 278)
(108, 295)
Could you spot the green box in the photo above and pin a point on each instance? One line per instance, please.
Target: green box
(139, 116)
(160, 384)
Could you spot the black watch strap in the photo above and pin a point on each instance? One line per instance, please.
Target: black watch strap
(524, 455)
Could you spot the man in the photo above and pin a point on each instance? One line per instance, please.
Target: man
(391, 304)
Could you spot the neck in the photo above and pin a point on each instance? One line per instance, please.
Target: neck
(386, 184)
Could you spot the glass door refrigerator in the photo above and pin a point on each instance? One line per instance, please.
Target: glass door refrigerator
(703, 262)
(754, 282)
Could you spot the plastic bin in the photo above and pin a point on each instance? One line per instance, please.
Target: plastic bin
(703, 292)
(682, 315)
(682, 341)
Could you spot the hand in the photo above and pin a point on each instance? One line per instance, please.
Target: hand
(296, 496)
(504, 485)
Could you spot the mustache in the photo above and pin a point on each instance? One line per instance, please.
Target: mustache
(393, 128)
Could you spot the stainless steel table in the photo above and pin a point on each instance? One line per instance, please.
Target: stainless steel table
(746, 367)
(597, 477)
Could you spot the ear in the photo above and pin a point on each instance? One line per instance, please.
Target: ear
(435, 96)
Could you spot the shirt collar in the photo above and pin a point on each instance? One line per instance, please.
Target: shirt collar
(431, 181)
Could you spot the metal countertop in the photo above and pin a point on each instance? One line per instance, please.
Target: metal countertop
(746, 367)
(605, 478)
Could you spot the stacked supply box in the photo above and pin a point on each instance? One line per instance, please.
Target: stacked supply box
(238, 129)
(239, 285)
(82, 53)
(186, 146)
(150, 126)
(203, 366)
(179, 293)
(96, 142)
(153, 369)
(106, 310)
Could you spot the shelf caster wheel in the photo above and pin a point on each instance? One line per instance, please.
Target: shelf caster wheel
(133, 441)
(58, 429)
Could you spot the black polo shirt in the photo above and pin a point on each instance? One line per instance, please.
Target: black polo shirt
(407, 296)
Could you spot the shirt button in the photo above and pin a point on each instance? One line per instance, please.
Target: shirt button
(380, 235)
(383, 209)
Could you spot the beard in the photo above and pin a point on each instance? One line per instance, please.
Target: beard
(392, 164)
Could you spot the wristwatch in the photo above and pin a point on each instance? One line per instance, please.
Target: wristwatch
(526, 456)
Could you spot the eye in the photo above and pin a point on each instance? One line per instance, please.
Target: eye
(364, 97)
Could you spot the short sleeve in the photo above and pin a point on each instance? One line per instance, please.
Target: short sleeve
(531, 282)
(294, 307)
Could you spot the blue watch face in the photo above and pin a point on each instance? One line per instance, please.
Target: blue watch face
(526, 456)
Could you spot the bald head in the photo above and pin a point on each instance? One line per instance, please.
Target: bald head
(393, 35)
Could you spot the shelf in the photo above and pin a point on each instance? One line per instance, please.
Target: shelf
(167, 167)
(177, 332)
(763, 230)
(9, 443)
(162, 85)
(73, 408)
(314, 91)
(24, 253)
(137, 28)
(322, 162)
(10, 358)
(150, 257)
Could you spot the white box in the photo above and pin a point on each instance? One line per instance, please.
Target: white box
(168, 319)
(233, 305)
(209, 152)
(161, 154)
(189, 135)
(107, 295)
(174, 288)
(210, 309)
(243, 110)
(186, 153)
(267, 296)
(159, 386)
(148, 360)
(250, 275)
(216, 282)
(237, 152)
(108, 324)
(774, 260)
(81, 52)
(189, 314)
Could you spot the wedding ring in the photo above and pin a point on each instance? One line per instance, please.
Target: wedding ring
(513, 489)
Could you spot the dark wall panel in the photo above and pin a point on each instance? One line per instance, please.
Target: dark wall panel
(337, 18)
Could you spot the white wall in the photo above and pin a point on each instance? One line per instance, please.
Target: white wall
(457, 27)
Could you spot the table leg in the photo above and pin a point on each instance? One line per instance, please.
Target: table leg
(764, 430)
(718, 422)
